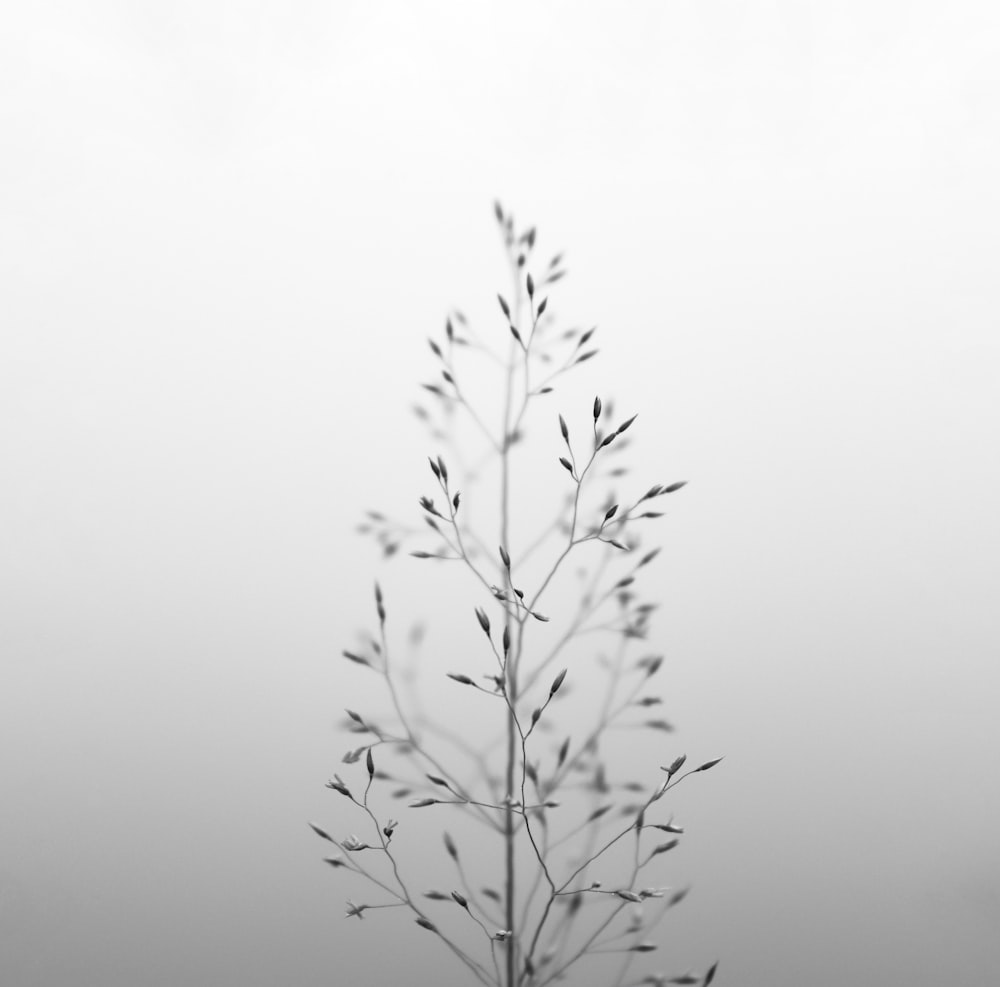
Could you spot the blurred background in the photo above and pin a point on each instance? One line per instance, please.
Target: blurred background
(228, 230)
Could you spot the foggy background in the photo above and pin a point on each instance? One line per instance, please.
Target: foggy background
(226, 231)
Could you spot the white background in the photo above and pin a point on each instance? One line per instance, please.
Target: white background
(226, 230)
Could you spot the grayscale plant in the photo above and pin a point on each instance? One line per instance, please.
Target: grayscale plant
(555, 807)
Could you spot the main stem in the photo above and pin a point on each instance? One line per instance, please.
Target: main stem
(509, 841)
(511, 667)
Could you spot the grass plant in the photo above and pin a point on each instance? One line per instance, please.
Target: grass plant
(546, 793)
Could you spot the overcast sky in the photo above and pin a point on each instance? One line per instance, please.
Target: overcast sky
(227, 230)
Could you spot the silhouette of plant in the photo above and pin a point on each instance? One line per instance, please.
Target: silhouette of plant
(545, 793)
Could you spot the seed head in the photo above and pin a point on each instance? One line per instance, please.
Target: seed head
(357, 659)
(664, 847)
(558, 682)
(563, 751)
(484, 621)
(675, 765)
(707, 765)
(354, 910)
(653, 665)
(321, 833)
(648, 557)
(664, 725)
